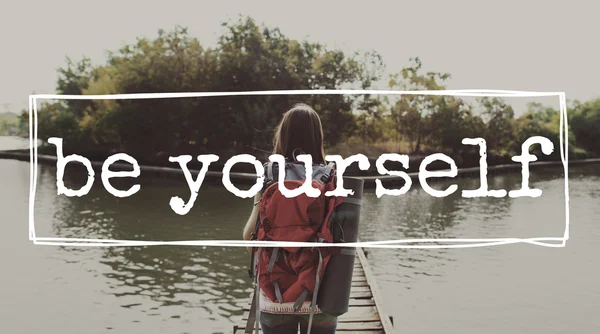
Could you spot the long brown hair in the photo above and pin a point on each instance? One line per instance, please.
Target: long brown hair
(300, 129)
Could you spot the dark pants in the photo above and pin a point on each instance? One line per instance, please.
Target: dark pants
(322, 323)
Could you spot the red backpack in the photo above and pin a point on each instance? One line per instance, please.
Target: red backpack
(293, 274)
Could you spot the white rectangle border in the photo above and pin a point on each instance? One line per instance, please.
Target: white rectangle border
(400, 243)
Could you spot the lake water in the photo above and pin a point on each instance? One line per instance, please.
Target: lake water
(14, 143)
(167, 289)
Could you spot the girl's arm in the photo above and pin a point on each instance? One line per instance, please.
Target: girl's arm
(251, 223)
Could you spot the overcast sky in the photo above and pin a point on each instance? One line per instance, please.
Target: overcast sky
(520, 45)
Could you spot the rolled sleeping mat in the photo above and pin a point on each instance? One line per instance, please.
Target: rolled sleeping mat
(334, 292)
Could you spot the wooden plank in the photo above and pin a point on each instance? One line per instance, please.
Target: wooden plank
(356, 302)
(349, 331)
(365, 288)
(359, 283)
(363, 313)
(350, 327)
(362, 278)
(385, 320)
(356, 326)
(345, 331)
(361, 295)
(359, 279)
(354, 314)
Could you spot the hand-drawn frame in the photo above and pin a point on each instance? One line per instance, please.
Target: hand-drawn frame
(400, 243)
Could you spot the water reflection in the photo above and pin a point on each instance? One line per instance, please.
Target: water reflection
(419, 215)
(210, 281)
(184, 284)
(15, 143)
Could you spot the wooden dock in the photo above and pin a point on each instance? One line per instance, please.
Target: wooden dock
(365, 314)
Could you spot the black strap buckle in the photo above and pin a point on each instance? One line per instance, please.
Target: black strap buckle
(326, 177)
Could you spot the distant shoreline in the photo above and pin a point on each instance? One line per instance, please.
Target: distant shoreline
(250, 178)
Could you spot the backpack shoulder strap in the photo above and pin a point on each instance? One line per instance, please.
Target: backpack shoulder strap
(325, 178)
(269, 177)
(270, 170)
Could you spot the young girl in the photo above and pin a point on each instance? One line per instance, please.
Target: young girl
(300, 130)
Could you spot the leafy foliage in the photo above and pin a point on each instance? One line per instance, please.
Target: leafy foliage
(249, 57)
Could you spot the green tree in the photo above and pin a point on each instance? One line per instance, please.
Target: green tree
(452, 121)
(73, 80)
(499, 117)
(247, 58)
(410, 114)
(584, 120)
